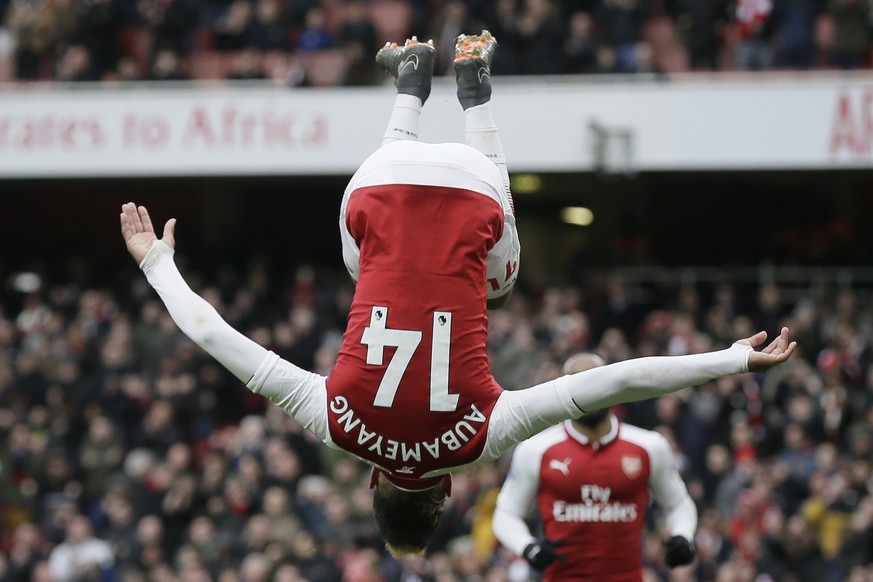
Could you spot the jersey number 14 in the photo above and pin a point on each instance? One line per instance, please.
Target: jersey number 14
(377, 336)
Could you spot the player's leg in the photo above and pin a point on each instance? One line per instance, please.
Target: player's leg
(411, 65)
(473, 56)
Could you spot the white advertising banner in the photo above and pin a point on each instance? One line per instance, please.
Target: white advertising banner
(568, 125)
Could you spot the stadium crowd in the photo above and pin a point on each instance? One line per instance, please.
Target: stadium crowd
(327, 42)
(130, 455)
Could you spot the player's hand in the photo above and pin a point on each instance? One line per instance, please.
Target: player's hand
(779, 350)
(138, 232)
(680, 551)
(542, 553)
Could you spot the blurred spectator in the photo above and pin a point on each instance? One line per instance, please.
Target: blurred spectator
(851, 32)
(230, 32)
(828, 512)
(81, 556)
(150, 547)
(158, 430)
(36, 32)
(540, 31)
(27, 548)
(268, 30)
(119, 523)
(314, 34)
(754, 29)
(621, 22)
(607, 60)
(794, 21)
(644, 53)
(4, 6)
(797, 454)
(501, 17)
(127, 69)
(248, 65)
(99, 28)
(100, 455)
(790, 550)
(299, 8)
(171, 22)
(358, 38)
(580, 46)
(702, 24)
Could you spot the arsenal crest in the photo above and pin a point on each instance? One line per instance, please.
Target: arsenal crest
(631, 465)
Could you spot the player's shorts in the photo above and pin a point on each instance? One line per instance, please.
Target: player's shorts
(451, 165)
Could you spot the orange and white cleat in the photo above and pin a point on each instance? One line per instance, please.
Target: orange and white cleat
(479, 47)
(473, 56)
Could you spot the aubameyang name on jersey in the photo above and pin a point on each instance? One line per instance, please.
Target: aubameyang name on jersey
(349, 421)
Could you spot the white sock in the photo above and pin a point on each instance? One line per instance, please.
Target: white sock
(481, 133)
(404, 120)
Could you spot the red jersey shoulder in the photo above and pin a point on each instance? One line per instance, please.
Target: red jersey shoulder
(570, 457)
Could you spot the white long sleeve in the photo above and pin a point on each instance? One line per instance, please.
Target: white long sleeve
(511, 530)
(520, 414)
(299, 393)
(642, 378)
(516, 498)
(682, 519)
(197, 318)
(667, 487)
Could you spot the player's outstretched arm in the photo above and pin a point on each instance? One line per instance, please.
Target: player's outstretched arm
(520, 414)
(649, 377)
(194, 315)
(300, 393)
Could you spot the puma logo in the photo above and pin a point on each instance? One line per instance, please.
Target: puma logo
(483, 74)
(562, 466)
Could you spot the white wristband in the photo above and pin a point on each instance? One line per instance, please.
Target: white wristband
(159, 249)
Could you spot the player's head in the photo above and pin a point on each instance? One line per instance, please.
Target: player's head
(579, 363)
(407, 519)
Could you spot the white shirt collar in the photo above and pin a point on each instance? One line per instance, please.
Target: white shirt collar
(605, 440)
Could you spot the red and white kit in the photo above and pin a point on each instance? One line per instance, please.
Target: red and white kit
(593, 497)
(428, 234)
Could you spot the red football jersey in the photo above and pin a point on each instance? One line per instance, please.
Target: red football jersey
(752, 15)
(411, 391)
(594, 498)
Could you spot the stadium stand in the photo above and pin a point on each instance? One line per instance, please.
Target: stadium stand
(667, 36)
(119, 432)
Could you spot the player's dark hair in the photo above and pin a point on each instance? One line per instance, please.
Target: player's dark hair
(407, 520)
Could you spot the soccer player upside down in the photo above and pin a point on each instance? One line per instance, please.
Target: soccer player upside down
(428, 233)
